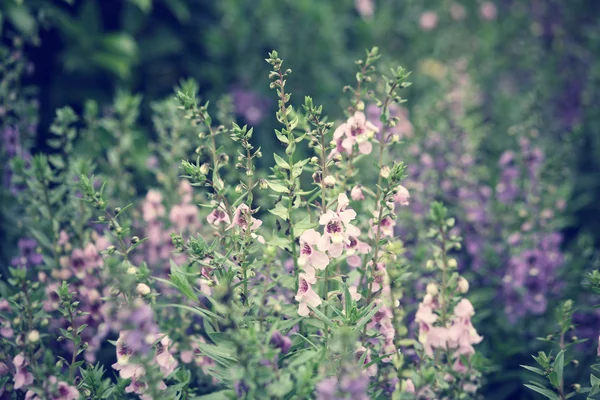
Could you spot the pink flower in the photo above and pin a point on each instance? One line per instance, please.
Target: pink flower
(243, 218)
(354, 247)
(218, 216)
(164, 359)
(306, 295)
(184, 216)
(385, 227)
(365, 8)
(372, 369)
(66, 392)
(488, 11)
(22, 376)
(428, 20)
(336, 223)
(402, 197)
(357, 130)
(409, 386)
(356, 193)
(152, 207)
(379, 276)
(310, 258)
(353, 290)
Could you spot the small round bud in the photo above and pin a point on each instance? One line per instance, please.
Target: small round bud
(223, 158)
(452, 263)
(314, 160)
(429, 264)
(142, 289)
(463, 285)
(258, 154)
(33, 336)
(432, 289)
(135, 240)
(117, 210)
(360, 106)
(337, 158)
(132, 270)
(239, 189)
(329, 181)
(577, 387)
(262, 184)
(59, 364)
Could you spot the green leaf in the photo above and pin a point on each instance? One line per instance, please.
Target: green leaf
(322, 317)
(534, 369)
(280, 242)
(277, 187)
(543, 391)
(280, 211)
(366, 318)
(181, 282)
(302, 358)
(281, 137)
(281, 162)
(559, 364)
(302, 226)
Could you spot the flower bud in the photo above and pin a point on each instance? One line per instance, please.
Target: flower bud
(429, 264)
(132, 270)
(463, 285)
(452, 263)
(314, 160)
(432, 289)
(262, 184)
(204, 168)
(33, 336)
(329, 181)
(337, 158)
(239, 189)
(356, 193)
(135, 240)
(317, 176)
(385, 172)
(142, 289)
(360, 106)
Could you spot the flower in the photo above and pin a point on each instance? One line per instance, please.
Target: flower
(354, 247)
(164, 359)
(244, 219)
(310, 258)
(306, 295)
(218, 216)
(357, 130)
(402, 196)
(152, 207)
(372, 369)
(356, 193)
(280, 341)
(488, 11)
(428, 20)
(22, 376)
(66, 392)
(336, 223)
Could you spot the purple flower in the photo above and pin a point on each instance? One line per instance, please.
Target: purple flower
(282, 342)
(28, 256)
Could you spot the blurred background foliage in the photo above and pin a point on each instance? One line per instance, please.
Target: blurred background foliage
(533, 61)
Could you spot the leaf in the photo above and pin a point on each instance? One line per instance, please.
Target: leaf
(217, 353)
(543, 391)
(277, 187)
(280, 211)
(322, 317)
(196, 310)
(366, 318)
(281, 162)
(302, 226)
(280, 242)
(534, 369)
(181, 282)
(305, 356)
(559, 365)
